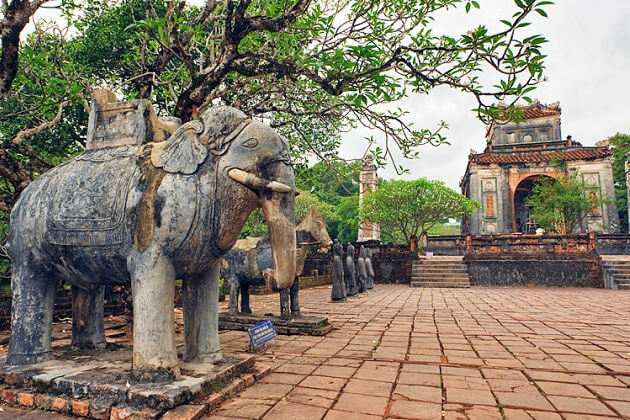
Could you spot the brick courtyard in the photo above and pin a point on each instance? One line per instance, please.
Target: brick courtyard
(413, 353)
(480, 353)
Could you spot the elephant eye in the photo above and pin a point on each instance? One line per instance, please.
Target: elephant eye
(250, 143)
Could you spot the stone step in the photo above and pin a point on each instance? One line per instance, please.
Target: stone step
(439, 284)
(440, 275)
(439, 270)
(441, 278)
(621, 275)
(616, 274)
(450, 281)
(445, 264)
(441, 258)
(624, 287)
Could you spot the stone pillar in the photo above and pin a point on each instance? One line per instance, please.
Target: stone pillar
(368, 182)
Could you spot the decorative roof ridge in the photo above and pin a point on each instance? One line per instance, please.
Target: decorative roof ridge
(544, 151)
(539, 156)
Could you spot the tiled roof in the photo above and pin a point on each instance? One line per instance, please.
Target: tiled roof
(577, 153)
(538, 110)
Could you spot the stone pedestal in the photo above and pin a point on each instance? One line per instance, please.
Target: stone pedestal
(303, 325)
(97, 383)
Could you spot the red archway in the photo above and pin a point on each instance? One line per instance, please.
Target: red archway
(521, 214)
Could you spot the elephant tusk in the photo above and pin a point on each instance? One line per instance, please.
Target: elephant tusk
(250, 180)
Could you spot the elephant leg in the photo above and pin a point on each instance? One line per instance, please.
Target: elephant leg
(201, 317)
(295, 302)
(31, 316)
(245, 298)
(88, 309)
(285, 313)
(234, 290)
(153, 289)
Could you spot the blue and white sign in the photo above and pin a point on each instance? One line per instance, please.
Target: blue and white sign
(261, 333)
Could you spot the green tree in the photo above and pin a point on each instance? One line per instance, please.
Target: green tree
(294, 63)
(406, 208)
(621, 147)
(329, 181)
(347, 211)
(559, 205)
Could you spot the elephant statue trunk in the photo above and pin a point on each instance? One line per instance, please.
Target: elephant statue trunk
(278, 209)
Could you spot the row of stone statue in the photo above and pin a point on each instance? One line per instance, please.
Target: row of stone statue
(350, 279)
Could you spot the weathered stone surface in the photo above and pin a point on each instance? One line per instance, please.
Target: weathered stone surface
(350, 276)
(369, 269)
(339, 288)
(304, 325)
(93, 388)
(144, 211)
(251, 258)
(362, 274)
(185, 412)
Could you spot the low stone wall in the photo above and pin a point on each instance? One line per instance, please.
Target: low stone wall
(524, 260)
(393, 265)
(612, 244)
(558, 270)
(452, 245)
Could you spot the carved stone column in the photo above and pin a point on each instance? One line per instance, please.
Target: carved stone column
(368, 182)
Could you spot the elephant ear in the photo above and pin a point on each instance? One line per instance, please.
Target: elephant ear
(182, 152)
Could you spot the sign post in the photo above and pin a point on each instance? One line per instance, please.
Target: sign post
(261, 333)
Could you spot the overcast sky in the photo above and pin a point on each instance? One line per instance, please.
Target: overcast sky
(588, 67)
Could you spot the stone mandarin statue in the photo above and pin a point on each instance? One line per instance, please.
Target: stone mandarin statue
(350, 272)
(143, 207)
(362, 275)
(339, 288)
(369, 268)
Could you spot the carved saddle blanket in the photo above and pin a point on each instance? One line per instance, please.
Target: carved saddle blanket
(87, 207)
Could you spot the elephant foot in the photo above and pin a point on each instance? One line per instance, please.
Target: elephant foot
(14, 359)
(90, 346)
(208, 357)
(159, 375)
(232, 311)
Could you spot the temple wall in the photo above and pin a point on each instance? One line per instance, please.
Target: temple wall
(599, 174)
(495, 185)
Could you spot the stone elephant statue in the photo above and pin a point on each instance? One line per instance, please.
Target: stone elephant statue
(145, 214)
(249, 263)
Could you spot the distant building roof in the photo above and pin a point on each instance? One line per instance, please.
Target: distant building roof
(576, 153)
(538, 110)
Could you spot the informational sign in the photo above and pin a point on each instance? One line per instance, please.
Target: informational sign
(261, 333)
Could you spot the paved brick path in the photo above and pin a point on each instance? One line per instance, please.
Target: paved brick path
(479, 353)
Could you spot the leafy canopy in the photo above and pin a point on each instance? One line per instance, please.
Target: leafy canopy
(406, 208)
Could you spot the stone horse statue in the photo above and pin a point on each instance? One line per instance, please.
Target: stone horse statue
(145, 212)
(249, 261)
